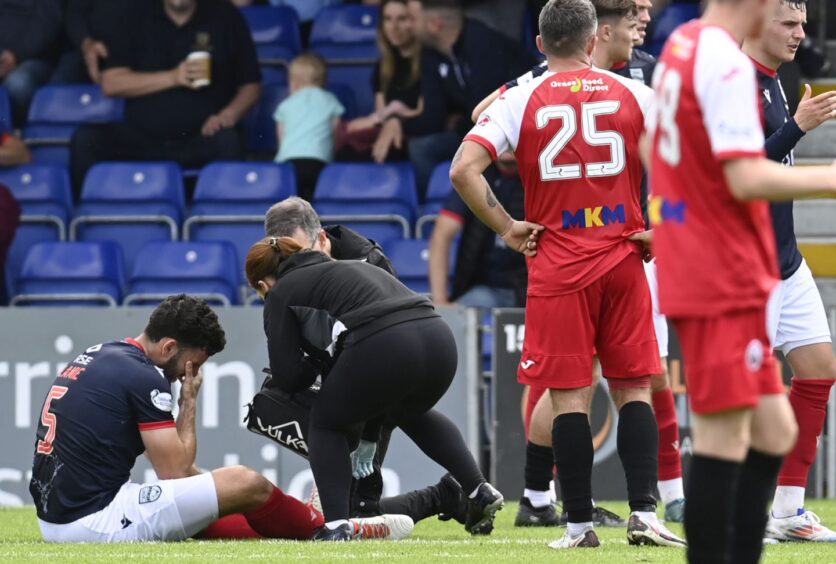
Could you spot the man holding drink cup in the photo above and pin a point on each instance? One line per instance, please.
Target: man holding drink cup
(189, 72)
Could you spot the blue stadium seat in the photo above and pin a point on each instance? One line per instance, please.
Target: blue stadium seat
(261, 129)
(5, 111)
(670, 18)
(346, 37)
(43, 192)
(346, 33)
(358, 79)
(410, 257)
(377, 200)
(347, 97)
(57, 111)
(76, 273)
(438, 190)
(273, 74)
(205, 269)
(275, 31)
(131, 203)
(230, 201)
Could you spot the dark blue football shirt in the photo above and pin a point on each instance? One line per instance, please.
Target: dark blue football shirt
(782, 134)
(88, 434)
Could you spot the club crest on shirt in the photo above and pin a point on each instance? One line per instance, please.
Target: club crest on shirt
(150, 494)
(754, 355)
(161, 400)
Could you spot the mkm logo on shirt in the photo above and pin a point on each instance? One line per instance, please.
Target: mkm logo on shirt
(600, 216)
(660, 210)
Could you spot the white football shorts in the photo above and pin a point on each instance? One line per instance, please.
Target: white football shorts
(166, 510)
(660, 322)
(795, 313)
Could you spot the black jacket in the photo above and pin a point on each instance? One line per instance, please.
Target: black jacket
(319, 306)
(347, 244)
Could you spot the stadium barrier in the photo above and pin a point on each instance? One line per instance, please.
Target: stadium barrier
(37, 343)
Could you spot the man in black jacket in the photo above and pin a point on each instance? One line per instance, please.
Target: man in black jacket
(29, 34)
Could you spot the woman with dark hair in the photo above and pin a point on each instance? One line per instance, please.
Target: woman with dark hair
(396, 82)
(385, 355)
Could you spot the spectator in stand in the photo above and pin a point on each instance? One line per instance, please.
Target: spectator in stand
(30, 31)
(88, 25)
(13, 151)
(175, 110)
(306, 122)
(396, 82)
(463, 64)
(9, 220)
(488, 274)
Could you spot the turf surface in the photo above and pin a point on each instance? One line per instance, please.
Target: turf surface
(431, 541)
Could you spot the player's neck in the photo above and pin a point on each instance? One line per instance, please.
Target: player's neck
(601, 60)
(728, 17)
(760, 56)
(144, 342)
(575, 63)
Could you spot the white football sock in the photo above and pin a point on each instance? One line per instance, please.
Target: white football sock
(671, 490)
(788, 500)
(537, 498)
(647, 516)
(577, 529)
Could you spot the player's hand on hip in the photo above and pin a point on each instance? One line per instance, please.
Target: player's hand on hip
(645, 238)
(362, 459)
(814, 111)
(523, 236)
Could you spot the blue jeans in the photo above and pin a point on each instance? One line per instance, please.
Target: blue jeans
(22, 83)
(487, 297)
(427, 151)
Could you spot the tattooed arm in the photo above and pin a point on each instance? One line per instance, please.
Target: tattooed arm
(466, 170)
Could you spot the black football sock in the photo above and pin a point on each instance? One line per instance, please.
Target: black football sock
(638, 448)
(572, 443)
(711, 491)
(539, 462)
(757, 484)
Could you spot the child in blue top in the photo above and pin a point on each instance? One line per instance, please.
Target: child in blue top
(306, 122)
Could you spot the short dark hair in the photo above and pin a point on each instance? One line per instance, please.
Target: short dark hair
(796, 4)
(455, 5)
(188, 320)
(566, 26)
(614, 9)
(285, 217)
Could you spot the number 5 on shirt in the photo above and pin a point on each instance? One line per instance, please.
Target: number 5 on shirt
(48, 419)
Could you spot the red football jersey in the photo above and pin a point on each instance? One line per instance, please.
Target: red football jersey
(575, 135)
(714, 253)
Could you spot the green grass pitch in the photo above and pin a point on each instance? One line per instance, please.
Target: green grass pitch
(432, 541)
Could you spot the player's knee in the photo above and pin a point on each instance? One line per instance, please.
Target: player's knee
(658, 382)
(256, 486)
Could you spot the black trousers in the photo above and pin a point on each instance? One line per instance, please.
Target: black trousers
(93, 143)
(307, 174)
(399, 373)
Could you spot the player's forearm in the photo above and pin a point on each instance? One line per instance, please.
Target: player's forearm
(186, 431)
(477, 194)
(780, 143)
(760, 179)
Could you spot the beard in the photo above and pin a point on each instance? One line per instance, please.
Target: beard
(181, 6)
(171, 369)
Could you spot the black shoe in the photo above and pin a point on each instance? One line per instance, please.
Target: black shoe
(342, 533)
(453, 500)
(530, 516)
(365, 508)
(600, 518)
(482, 508)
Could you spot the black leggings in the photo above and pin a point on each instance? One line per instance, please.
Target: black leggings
(400, 372)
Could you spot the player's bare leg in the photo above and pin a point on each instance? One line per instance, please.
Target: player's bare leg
(670, 485)
(814, 370)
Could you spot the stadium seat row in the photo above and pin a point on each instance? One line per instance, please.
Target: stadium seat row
(93, 273)
(133, 203)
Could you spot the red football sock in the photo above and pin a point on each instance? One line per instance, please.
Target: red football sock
(233, 526)
(284, 517)
(809, 403)
(670, 462)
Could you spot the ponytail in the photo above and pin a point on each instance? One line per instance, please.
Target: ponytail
(265, 256)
